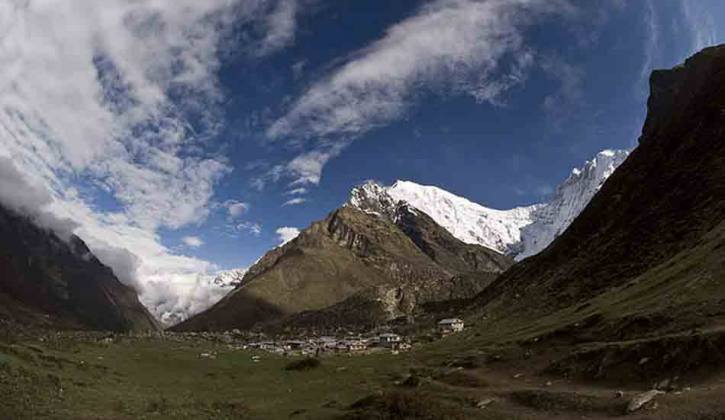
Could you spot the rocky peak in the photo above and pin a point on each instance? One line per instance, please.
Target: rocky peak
(373, 198)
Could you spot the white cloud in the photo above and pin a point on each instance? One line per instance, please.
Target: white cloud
(286, 234)
(20, 195)
(280, 24)
(294, 201)
(192, 241)
(250, 227)
(167, 283)
(460, 46)
(307, 167)
(296, 191)
(122, 97)
(235, 209)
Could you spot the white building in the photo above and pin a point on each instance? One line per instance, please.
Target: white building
(450, 325)
(389, 340)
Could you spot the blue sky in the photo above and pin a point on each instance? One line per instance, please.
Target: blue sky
(585, 91)
(177, 137)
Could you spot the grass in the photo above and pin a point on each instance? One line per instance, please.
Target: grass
(134, 378)
(160, 379)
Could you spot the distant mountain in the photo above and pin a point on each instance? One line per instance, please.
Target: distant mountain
(388, 263)
(229, 278)
(46, 281)
(638, 277)
(519, 232)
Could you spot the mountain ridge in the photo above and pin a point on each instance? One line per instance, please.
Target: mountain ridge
(519, 232)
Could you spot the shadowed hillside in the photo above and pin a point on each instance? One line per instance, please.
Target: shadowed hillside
(45, 281)
(645, 259)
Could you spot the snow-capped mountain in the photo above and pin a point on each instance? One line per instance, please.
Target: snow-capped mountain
(229, 278)
(520, 232)
(569, 199)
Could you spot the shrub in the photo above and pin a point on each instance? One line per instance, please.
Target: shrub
(307, 363)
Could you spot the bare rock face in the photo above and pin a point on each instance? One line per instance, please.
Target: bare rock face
(48, 281)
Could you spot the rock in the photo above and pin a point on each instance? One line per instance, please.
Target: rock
(663, 385)
(641, 399)
(484, 403)
(518, 375)
(619, 394)
(548, 383)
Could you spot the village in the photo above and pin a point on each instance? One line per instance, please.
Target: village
(325, 345)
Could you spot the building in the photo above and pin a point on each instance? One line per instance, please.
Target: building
(389, 340)
(296, 344)
(450, 326)
(355, 345)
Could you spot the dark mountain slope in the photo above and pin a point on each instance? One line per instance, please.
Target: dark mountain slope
(45, 281)
(358, 255)
(645, 257)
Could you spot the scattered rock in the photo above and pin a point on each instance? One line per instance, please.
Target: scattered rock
(484, 403)
(642, 399)
(663, 385)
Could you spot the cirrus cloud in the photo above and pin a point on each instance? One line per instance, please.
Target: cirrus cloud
(459, 46)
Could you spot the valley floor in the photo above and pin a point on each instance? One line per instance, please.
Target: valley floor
(94, 376)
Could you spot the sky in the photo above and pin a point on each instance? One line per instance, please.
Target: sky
(181, 138)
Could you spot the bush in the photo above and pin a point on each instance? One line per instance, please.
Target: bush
(307, 363)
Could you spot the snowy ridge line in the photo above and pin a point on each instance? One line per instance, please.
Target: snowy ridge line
(520, 232)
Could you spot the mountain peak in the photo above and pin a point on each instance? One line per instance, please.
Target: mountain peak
(520, 232)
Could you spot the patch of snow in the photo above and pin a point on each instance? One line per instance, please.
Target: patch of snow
(229, 278)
